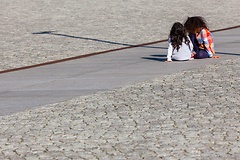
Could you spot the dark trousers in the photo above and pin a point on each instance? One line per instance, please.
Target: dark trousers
(200, 53)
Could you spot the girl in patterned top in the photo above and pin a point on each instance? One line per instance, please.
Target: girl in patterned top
(201, 37)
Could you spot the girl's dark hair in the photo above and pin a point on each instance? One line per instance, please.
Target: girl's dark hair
(177, 34)
(193, 23)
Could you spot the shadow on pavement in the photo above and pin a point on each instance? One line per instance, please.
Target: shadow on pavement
(93, 39)
(157, 57)
(232, 54)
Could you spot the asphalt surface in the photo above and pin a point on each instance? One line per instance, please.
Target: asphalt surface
(30, 88)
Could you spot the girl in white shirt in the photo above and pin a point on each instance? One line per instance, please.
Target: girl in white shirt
(180, 48)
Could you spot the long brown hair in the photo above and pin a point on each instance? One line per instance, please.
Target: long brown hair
(177, 35)
(194, 23)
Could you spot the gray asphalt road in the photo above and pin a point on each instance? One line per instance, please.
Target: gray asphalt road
(30, 88)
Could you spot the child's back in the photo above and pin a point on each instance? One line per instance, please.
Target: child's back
(179, 45)
(183, 53)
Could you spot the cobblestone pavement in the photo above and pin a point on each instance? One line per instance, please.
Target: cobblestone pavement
(37, 31)
(190, 115)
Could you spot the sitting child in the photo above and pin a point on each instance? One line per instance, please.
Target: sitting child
(180, 47)
(201, 37)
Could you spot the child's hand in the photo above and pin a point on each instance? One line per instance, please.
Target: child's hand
(168, 61)
(192, 55)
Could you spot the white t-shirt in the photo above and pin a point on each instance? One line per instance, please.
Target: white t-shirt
(184, 52)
